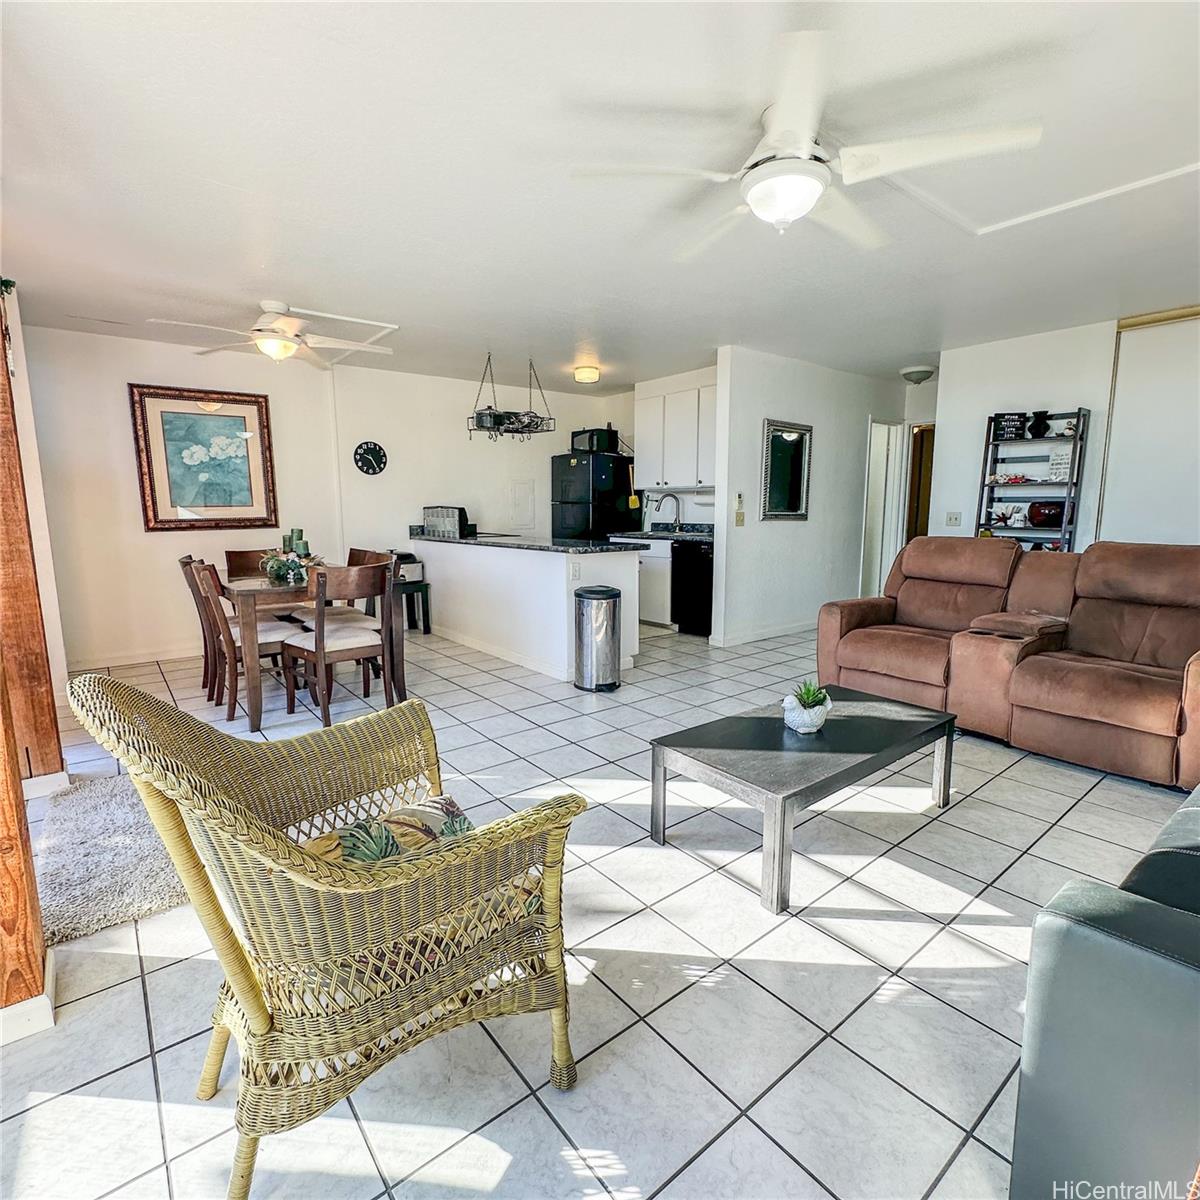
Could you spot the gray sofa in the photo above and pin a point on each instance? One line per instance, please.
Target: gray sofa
(1110, 1070)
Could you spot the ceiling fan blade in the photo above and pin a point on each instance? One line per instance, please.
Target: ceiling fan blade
(839, 214)
(310, 356)
(642, 169)
(711, 234)
(873, 159)
(332, 343)
(194, 325)
(227, 346)
(798, 98)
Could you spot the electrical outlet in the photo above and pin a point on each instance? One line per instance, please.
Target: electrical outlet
(575, 571)
(739, 518)
(953, 520)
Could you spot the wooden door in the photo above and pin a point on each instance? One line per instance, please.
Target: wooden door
(681, 414)
(648, 442)
(31, 695)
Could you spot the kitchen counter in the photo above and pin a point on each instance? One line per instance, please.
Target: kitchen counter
(515, 597)
(665, 535)
(551, 545)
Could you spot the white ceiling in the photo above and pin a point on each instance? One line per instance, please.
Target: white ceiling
(409, 162)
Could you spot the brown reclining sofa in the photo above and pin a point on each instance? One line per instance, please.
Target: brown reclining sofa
(1093, 657)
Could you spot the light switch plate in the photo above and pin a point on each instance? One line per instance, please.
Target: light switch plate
(739, 518)
(574, 570)
(953, 520)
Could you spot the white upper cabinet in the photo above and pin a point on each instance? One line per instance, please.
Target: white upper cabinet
(648, 442)
(681, 411)
(706, 449)
(674, 439)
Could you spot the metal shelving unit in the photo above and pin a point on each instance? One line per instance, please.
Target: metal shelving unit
(999, 458)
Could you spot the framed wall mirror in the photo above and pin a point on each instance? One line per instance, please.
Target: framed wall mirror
(787, 466)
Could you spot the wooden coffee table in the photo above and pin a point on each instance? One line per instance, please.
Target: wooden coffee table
(755, 757)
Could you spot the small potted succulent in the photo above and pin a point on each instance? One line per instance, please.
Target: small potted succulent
(807, 707)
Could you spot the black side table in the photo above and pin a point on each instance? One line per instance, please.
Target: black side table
(411, 593)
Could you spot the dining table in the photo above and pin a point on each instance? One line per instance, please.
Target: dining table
(250, 594)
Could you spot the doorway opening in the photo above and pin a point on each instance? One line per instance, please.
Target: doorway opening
(920, 481)
(882, 508)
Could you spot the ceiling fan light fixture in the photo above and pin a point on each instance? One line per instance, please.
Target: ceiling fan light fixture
(276, 346)
(587, 374)
(784, 190)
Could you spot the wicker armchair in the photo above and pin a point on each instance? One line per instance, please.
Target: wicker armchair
(333, 969)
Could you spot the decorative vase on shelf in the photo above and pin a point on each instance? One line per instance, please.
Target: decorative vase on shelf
(1046, 514)
(1039, 424)
(805, 720)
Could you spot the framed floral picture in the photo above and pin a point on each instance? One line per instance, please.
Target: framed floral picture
(204, 458)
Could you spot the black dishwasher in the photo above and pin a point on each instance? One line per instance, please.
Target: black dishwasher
(692, 587)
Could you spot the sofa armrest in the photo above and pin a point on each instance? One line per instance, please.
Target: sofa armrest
(981, 664)
(838, 618)
(1189, 733)
(1024, 624)
(1110, 1068)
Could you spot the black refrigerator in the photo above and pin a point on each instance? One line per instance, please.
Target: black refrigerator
(589, 495)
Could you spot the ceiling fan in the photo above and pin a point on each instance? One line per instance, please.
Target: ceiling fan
(790, 172)
(279, 334)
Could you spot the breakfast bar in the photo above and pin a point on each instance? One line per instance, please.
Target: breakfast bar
(514, 596)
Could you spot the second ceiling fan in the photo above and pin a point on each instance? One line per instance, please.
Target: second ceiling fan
(790, 172)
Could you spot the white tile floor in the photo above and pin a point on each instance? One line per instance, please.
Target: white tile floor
(862, 1045)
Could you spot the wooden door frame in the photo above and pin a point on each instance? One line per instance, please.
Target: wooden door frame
(29, 738)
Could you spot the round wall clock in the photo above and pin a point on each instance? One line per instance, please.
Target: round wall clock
(370, 457)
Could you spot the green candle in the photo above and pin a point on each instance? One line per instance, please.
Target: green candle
(300, 547)
(287, 542)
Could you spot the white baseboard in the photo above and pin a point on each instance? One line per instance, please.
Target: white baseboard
(45, 785)
(766, 631)
(31, 1016)
(542, 666)
(126, 658)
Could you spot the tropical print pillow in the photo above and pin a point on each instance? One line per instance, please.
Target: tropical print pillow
(396, 834)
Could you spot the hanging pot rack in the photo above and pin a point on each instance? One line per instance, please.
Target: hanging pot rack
(497, 422)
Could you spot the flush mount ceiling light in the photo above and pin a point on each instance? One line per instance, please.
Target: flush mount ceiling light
(587, 374)
(785, 189)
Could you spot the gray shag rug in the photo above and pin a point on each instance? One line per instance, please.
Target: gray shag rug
(100, 861)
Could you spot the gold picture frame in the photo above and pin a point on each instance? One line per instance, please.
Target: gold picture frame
(204, 458)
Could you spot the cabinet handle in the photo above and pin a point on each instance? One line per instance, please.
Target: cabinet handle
(699, 482)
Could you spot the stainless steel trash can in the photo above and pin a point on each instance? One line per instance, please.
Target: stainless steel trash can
(597, 639)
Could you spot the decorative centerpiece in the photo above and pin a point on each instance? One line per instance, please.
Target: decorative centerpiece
(806, 708)
(286, 566)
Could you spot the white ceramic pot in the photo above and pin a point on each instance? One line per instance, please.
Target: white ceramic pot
(804, 720)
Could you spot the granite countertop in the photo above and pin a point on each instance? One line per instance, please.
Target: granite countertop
(688, 531)
(522, 542)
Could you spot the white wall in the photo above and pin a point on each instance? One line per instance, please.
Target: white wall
(920, 402)
(122, 596)
(421, 421)
(772, 577)
(1063, 369)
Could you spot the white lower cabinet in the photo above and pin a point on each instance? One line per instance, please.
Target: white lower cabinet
(654, 581)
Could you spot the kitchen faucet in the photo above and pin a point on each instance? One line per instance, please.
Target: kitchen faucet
(669, 496)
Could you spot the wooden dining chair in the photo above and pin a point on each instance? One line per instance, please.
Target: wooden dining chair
(208, 678)
(271, 634)
(329, 642)
(348, 611)
(243, 564)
